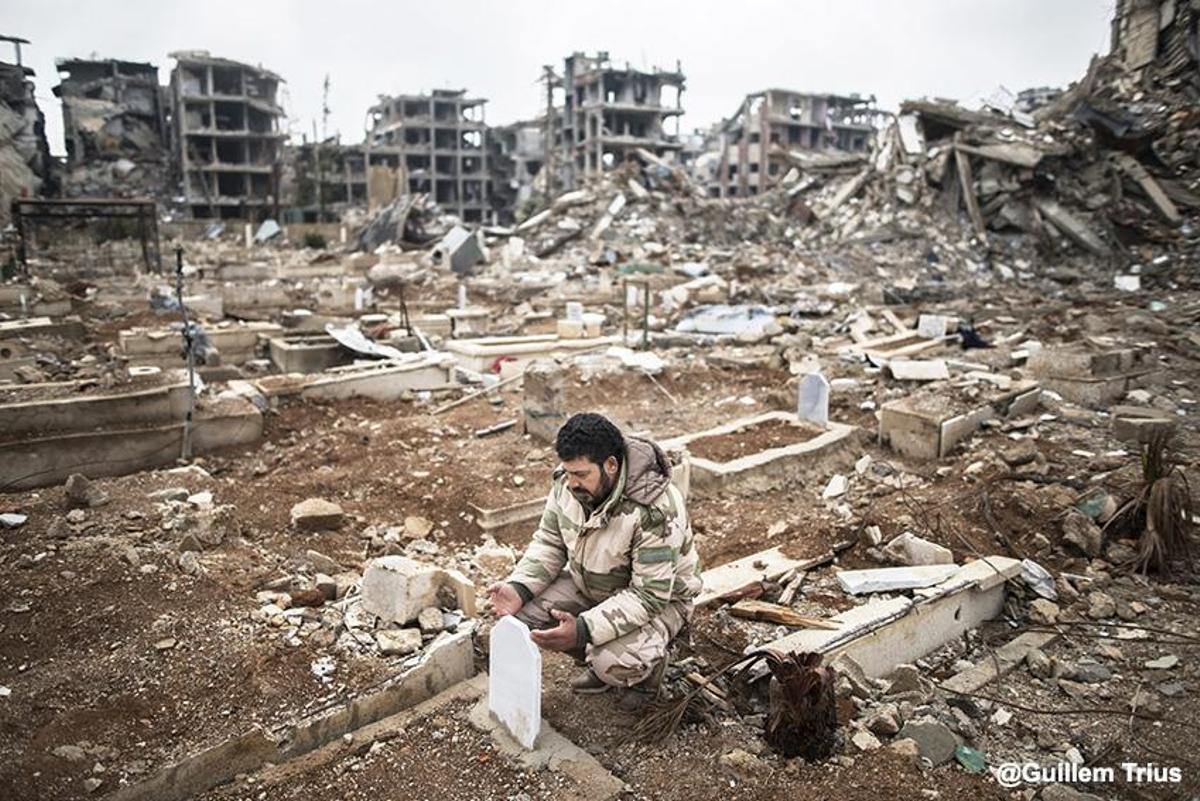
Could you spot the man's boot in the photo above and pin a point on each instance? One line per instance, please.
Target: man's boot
(588, 683)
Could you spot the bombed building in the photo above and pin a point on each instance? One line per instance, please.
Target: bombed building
(115, 126)
(26, 168)
(226, 136)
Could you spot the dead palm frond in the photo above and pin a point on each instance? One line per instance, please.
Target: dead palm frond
(1161, 510)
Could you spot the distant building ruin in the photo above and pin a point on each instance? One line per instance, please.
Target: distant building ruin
(609, 111)
(26, 167)
(439, 142)
(115, 126)
(226, 135)
(783, 119)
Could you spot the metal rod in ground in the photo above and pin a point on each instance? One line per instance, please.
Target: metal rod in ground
(188, 345)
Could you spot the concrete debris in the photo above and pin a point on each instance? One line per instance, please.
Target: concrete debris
(909, 549)
(317, 514)
(82, 493)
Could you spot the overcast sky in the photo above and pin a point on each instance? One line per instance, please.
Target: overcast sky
(965, 49)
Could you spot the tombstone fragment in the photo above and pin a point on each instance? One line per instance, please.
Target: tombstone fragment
(545, 406)
(813, 402)
(515, 680)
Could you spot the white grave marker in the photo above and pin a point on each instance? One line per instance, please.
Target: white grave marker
(515, 680)
(814, 400)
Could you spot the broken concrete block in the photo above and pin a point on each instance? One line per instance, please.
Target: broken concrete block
(430, 620)
(398, 642)
(82, 493)
(909, 549)
(316, 514)
(544, 406)
(934, 740)
(321, 562)
(1043, 611)
(397, 588)
(417, 528)
(515, 680)
(327, 586)
(1080, 531)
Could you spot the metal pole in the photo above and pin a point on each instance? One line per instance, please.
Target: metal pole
(646, 317)
(186, 454)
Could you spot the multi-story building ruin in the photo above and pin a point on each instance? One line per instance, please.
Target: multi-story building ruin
(782, 119)
(609, 111)
(28, 170)
(439, 141)
(226, 136)
(517, 155)
(115, 126)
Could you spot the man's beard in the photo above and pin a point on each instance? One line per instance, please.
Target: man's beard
(591, 501)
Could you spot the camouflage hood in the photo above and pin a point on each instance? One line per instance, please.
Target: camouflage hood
(647, 471)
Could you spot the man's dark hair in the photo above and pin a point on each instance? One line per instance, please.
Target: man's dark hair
(589, 435)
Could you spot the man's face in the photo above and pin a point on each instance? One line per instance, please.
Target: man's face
(591, 482)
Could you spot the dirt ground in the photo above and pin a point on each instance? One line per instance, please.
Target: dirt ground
(88, 606)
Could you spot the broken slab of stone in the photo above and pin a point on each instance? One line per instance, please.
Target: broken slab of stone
(397, 588)
(892, 579)
(317, 514)
(909, 549)
(81, 492)
(1081, 531)
(935, 740)
(398, 642)
(544, 404)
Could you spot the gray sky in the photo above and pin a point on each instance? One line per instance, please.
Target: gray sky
(964, 49)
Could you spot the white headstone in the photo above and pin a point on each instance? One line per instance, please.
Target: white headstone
(515, 680)
(814, 400)
(575, 311)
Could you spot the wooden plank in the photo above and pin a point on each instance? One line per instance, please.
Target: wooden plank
(967, 179)
(777, 613)
(1131, 167)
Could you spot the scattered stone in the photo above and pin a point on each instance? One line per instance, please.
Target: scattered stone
(905, 679)
(1145, 701)
(1165, 662)
(1001, 717)
(12, 520)
(201, 500)
(166, 644)
(76, 516)
(884, 721)
(1075, 689)
(741, 763)
(189, 563)
(398, 642)
(1081, 531)
(327, 586)
(836, 487)
(317, 514)
(1120, 553)
(430, 620)
(865, 741)
(169, 494)
(92, 784)
(397, 588)
(1101, 606)
(907, 748)
(321, 562)
(1021, 453)
(1038, 663)
(1043, 611)
(190, 542)
(935, 741)
(71, 753)
(909, 549)
(417, 528)
(1088, 673)
(81, 493)
(495, 560)
(1172, 688)
(1061, 792)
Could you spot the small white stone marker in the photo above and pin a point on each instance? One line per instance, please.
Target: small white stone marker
(515, 680)
(814, 400)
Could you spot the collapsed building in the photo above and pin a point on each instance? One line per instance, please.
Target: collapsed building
(439, 143)
(115, 126)
(26, 168)
(747, 143)
(227, 140)
(330, 178)
(517, 153)
(608, 112)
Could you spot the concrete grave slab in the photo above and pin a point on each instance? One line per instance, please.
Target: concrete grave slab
(813, 404)
(515, 680)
